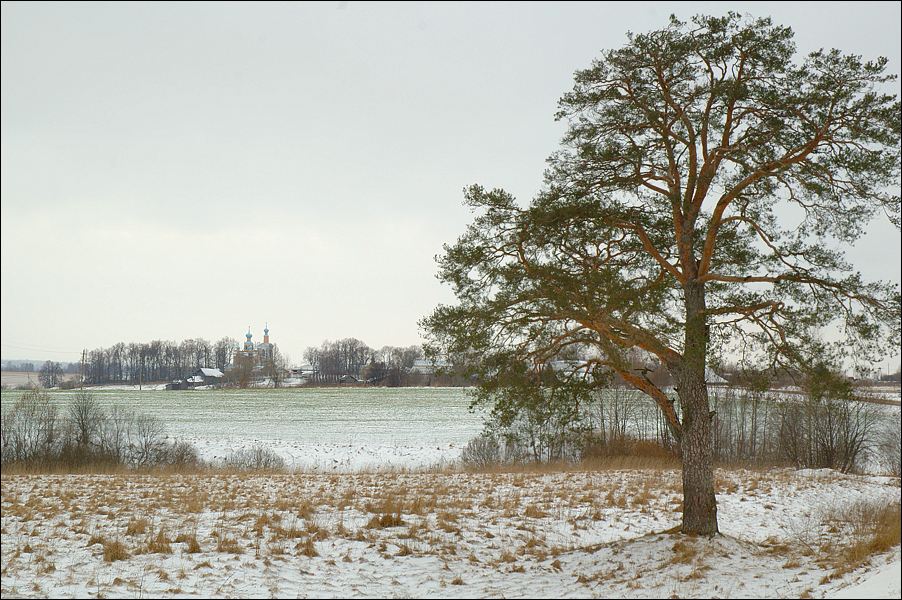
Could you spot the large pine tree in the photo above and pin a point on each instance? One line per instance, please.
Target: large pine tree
(707, 177)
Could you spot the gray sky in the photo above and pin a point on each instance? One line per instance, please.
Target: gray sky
(175, 171)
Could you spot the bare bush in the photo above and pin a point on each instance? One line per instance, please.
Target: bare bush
(180, 455)
(615, 415)
(741, 425)
(256, 458)
(481, 452)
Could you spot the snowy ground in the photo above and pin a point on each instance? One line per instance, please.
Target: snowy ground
(575, 534)
(339, 458)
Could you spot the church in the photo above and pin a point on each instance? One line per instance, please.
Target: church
(255, 354)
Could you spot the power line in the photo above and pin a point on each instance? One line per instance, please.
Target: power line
(39, 349)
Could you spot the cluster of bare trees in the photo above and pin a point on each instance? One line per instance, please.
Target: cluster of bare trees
(352, 359)
(816, 428)
(35, 433)
(51, 374)
(38, 434)
(158, 360)
(806, 430)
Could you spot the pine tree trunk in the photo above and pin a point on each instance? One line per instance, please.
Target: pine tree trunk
(699, 504)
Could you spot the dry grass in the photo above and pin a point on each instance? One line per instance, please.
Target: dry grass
(496, 521)
(639, 455)
(158, 544)
(114, 550)
(192, 546)
(384, 521)
(684, 552)
(874, 528)
(534, 512)
(291, 531)
(136, 526)
(229, 545)
(307, 548)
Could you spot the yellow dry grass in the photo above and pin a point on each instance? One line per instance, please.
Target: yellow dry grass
(490, 520)
(114, 550)
(875, 528)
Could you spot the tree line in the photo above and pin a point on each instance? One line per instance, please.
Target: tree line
(347, 360)
(350, 360)
(159, 360)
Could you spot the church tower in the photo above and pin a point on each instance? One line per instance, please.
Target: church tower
(265, 348)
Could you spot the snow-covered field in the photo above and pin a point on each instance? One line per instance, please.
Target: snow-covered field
(439, 534)
(326, 429)
(17, 378)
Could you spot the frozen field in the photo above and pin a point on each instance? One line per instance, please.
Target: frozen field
(318, 428)
(516, 535)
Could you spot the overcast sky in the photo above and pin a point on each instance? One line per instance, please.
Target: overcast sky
(175, 170)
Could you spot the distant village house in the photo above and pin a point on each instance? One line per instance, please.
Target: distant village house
(206, 376)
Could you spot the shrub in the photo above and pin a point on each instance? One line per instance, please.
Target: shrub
(256, 458)
(148, 446)
(180, 455)
(481, 452)
(826, 426)
(86, 418)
